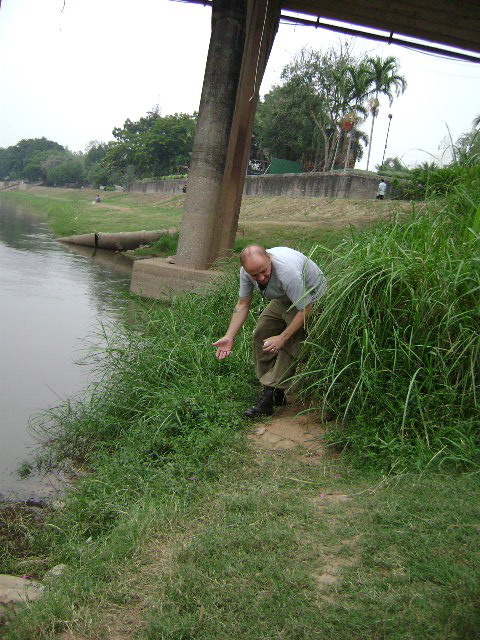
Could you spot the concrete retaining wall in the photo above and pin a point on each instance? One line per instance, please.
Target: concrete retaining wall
(308, 185)
(313, 185)
(156, 186)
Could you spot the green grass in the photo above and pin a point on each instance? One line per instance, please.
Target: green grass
(166, 245)
(276, 549)
(174, 520)
(281, 558)
(277, 235)
(73, 211)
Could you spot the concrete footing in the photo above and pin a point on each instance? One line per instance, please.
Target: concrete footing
(156, 278)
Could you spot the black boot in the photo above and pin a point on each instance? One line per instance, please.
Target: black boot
(269, 398)
(279, 399)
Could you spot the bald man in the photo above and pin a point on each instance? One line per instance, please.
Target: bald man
(292, 282)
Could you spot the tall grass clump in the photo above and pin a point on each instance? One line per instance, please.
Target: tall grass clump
(394, 352)
(424, 183)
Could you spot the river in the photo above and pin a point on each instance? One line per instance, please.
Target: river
(54, 299)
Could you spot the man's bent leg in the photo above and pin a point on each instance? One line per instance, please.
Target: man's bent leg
(272, 369)
(270, 323)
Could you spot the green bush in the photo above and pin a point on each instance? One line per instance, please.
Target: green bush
(422, 184)
(395, 350)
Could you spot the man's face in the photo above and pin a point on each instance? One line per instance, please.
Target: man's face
(259, 268)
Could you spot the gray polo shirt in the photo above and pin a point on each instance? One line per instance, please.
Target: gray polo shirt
(294, 277)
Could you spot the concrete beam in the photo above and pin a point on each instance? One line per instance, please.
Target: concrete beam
(263, 17)
(200, 220)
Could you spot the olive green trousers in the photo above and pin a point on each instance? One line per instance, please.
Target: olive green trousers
(273, 369)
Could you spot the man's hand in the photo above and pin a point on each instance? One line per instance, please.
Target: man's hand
(225, 346)
(239, 315)
(273, 344)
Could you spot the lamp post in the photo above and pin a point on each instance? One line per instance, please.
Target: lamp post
(386, 139)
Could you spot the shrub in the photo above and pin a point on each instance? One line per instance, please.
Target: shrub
(427, 183)
(395, 350)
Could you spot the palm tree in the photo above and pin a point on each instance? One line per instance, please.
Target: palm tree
(476, 121)
(384, 80)
(355, 90)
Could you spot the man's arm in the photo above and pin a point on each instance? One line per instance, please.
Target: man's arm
(239, 315)
(275, 343)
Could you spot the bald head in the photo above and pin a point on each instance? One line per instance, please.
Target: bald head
(257, 263)
(252, 252)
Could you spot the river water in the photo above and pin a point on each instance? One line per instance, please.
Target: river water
(53, 301)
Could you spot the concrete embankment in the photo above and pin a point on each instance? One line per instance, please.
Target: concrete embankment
(356, 186)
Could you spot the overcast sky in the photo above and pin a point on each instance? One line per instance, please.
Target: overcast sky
(74, 70)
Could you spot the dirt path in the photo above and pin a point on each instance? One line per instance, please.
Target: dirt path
(299, 437)
(287, 431)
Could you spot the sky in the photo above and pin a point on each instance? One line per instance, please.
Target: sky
(72, 70)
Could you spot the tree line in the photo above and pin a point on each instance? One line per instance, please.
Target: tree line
(313, 116)
(153, 146)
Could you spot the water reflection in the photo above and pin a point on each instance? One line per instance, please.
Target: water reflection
(54, 298)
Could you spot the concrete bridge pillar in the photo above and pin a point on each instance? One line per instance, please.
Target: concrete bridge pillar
(243, 32)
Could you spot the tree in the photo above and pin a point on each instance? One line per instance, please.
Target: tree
(383, 79)
(95, 151)
(315, 114)
(69, 172)
(392, 164)
(282, 127)
(467, 147)
(153, 146)
(24, 159)
(327, 85)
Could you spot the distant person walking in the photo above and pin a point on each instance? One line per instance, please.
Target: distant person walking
(382, 189)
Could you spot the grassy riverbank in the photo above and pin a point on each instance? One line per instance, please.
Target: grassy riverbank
(271, 221)
(71, 211)
(179, 528)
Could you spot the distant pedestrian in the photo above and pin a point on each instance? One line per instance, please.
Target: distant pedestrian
(382, 188)
(97, 199)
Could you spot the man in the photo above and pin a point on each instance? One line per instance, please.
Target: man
(382, 189)
(292, 282)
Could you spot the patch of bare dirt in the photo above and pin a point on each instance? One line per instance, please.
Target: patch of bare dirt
(303, 435)
(102, 205)
(329, 575)
(286, 430)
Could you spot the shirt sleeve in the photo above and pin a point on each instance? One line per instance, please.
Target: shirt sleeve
(246, 285)
(298, 293)
(302, 290)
